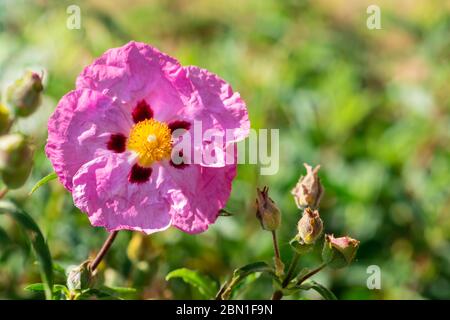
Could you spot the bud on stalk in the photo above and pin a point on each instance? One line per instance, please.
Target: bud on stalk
(310, 226)
(339, 252)
(267, 212)
(80, 277)
(25, 94)
(16, 159)
(5, 121)
(309, 191)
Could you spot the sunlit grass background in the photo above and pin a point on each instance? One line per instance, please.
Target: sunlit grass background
(370, 106)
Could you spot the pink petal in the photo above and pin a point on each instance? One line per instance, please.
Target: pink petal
(216, 106)
(102, 190)
(136, 72)
(79, 130)
(198, 195)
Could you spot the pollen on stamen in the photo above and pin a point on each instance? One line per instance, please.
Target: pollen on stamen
(151, 140)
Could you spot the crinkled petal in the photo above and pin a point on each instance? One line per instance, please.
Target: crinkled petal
(102, 190)
(218, 110)
(198, 195)
(136, 72)
(79, 129)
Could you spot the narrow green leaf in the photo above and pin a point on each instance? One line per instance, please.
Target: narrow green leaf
(40, 287)
(37, 241)
(205, 285)
(44, 180)
(119, 290)
(35, 287)
(240, 274)
(225, 213)
(322, 290)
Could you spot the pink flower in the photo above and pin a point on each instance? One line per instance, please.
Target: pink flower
(110, 141)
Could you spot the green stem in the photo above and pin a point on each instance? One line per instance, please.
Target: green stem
(311, 273)
(291, 270)
(275, 245)
(3, 192)
(278, 294)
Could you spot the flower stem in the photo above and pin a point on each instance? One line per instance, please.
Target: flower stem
(101, 254)
(275, 245)
(278, 294)
(291, 270)
(311, 273)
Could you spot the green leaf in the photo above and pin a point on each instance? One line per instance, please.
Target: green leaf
(224, 213)
(299, 247)
(240, 274)
(44, 180)
(37, 241)
(205, 285)
(322, 290)
(40, 287)
(35, 287)
(98, 293)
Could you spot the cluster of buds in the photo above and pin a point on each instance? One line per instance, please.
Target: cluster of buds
(16, 149)
(307, 195)
(336, 253)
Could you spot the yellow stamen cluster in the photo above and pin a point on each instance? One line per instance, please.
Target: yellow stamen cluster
(151, 140)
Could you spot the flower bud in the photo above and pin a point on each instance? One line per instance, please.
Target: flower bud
(80, 277)
(339, 252)
(25, 94)
(16, 159)
(267, 212)
(5, 121)
(309, 190)
(310, 226)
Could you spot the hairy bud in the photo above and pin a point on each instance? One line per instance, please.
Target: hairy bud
(80, 277)
(16, 159)
(309, 190)
(339, 252)
(5, 121)
(310, 226)
(25, 94)
(267, 212)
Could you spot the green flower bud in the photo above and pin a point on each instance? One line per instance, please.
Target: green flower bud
(309, 191)
(16, 159)
(25, 94)
(5, 121)
(339, 252)
(80, 277)
(310, 226)
(267, 212)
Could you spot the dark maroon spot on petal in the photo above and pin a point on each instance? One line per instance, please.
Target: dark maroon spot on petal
(181, 165)
(142, 111)
(117, 142)
(179, 124)
(139, 174)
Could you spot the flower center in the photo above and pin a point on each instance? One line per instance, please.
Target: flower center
(151, 140)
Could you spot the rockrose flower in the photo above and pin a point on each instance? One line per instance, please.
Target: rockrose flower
(111, 141)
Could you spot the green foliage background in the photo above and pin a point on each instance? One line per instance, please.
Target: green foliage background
(371, 106)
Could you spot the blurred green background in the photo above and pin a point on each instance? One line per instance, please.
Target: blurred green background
(370, 106)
